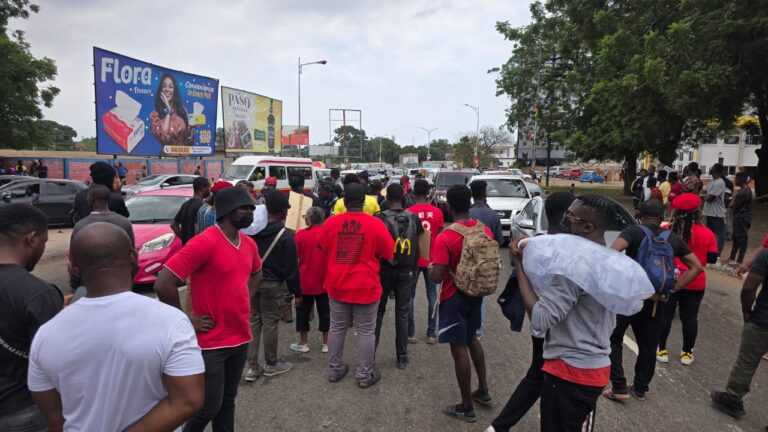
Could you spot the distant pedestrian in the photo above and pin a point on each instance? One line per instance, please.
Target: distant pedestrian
(714, 205)
(432, 220)
(355, 243)
(371, 204)
(400, 274)
(742, 217)
(122, 172)
(754, 339)
(459, 313)
(675, 187)
(223, 267)
(280, 282)
(662, 181)
(702, 242)
(647, 323)
(692, 179)
(160, 380)
(482, 212)
(326, 198)
(26, 303)
(206, 214)
(312, 269)
(198, 171)
(529, 389)
(637, 188)
(296, 183)
(42, 170)
(185, 222)
(651, 191)
(104, 174)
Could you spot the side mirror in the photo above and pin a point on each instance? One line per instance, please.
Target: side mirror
(526, 223)
(7, 197)
(164, 185)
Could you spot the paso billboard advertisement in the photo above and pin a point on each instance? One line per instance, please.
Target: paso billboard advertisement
(295, 135)
(252, 123)
(148, 110)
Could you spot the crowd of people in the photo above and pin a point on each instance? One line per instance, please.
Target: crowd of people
(178, 362)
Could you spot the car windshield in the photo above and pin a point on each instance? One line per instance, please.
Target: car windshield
(516, 172)
(506, 188)
(589, 173)
(154, 209)
(150, 180)
(237, 172)
(448, 179)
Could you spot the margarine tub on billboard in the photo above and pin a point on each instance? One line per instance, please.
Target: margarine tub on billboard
(147, 110)
(252, 123)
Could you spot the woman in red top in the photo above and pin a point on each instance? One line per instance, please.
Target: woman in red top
(687, 224)
(312, 265)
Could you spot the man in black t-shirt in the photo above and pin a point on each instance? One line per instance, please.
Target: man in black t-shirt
(184, 223)
(646, 324)
(754, 339)
(26, 303)
(104, 174)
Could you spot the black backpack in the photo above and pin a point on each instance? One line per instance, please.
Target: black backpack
(404, 227)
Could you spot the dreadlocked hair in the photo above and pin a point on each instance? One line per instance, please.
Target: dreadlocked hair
(683, 223)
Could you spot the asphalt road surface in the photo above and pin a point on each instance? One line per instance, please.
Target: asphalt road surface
(411, 400)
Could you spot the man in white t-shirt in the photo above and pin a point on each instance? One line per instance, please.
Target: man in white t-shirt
(114, 360)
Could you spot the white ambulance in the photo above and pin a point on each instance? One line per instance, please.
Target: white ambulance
(257, 168)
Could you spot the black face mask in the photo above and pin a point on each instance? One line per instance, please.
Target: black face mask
(243, 222)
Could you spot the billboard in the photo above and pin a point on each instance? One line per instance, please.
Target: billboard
(295, 135)
(252, 123)
(147, 110)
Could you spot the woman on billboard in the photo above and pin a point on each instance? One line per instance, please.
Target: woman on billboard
(170, 124)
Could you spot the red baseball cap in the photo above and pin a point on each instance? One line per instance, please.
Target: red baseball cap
(220, 185)
(270, 181)
(686, 202)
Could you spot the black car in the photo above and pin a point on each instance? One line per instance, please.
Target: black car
(55, 197)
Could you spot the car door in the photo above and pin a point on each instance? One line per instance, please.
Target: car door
(55, 201)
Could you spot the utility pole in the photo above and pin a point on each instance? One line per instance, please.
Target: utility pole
(476, 109)
(429, 141)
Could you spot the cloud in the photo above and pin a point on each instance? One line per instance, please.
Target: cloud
(403, 63)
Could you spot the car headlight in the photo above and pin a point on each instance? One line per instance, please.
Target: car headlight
(158, 243)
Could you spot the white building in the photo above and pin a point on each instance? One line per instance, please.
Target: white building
(732, 151)
(505, 154)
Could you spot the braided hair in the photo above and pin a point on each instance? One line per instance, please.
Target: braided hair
(683, 223)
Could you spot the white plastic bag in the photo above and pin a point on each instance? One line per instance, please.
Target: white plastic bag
(616, 281)
(259, 221)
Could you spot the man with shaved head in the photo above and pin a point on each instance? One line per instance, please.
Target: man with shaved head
(137, 365)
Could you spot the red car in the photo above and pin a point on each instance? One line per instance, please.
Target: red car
(151, 215)
(573, 174)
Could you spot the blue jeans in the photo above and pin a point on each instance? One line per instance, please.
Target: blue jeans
(29, 419)
(431, 300)
(717, 225)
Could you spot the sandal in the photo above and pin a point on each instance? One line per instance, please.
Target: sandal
(616, 397)
(482, 398)
(458, 412)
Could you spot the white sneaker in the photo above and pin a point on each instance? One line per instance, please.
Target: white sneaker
(490, 429)
(687, 358)
(324, 349)
(252, 374)
(299, 348)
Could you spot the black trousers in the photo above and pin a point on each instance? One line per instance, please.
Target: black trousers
(740, 237)
(223, 369)
(689, 302)
(527, 392)
(646, 325)
(304, 311)
(565, 406)
(401, 283)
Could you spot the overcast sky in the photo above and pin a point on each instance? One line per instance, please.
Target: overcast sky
(405, 64)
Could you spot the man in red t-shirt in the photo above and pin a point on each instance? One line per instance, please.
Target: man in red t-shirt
(312, 266)
(460, 315)
(354, 243)
(222, 266)
(431, 220)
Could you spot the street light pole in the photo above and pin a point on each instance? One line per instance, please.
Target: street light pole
(429, 141)
(301, 66)
(476, 109)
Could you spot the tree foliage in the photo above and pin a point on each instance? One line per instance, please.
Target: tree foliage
(23, 79)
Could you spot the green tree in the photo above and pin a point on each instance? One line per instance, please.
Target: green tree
(390, 151)
(489, 141)
(439, 148)
(351, 142)
(22, 81)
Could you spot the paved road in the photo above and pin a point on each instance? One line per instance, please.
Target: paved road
(411, 400)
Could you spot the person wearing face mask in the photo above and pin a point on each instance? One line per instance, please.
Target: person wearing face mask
(224, 267)
(26, 303)
(276, 291)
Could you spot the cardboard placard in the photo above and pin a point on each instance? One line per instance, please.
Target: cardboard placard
(299, 206)
(425, 241)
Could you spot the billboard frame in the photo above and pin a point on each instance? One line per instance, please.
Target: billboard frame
(96, 103)
(224, 126)
(330, 127)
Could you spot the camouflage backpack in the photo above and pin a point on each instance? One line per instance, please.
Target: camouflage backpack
(477, 274)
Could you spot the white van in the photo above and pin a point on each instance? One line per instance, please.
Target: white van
(257, 168)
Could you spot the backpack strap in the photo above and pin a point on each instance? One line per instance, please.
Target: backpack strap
(274, 243)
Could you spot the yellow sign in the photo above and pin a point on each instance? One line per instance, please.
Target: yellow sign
(252, 123)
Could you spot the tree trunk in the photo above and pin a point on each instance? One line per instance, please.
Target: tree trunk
(761, 176)
(630, 172)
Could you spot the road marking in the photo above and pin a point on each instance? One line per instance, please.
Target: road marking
(631, 344)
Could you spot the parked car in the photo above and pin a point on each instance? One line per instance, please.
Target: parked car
(591, 177)
(518, 172)
(8, 178)
(151, 215)
(573, 173)
(158, 181)
(532, 220)
(55, 197)
(444, 179)
(507, 195)
(257, 168)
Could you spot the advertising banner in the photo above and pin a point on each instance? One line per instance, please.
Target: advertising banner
(148, 110)
(295, 135)
(252, 123)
